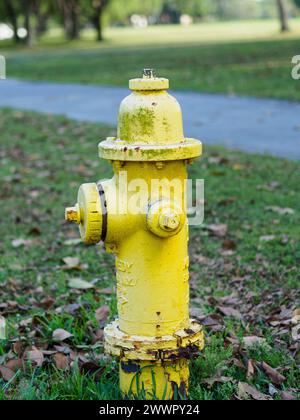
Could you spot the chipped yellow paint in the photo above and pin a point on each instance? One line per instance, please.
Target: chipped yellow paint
(155, 380)
(153, 336)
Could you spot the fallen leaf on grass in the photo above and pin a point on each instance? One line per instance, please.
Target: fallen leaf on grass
(60, 334)
(271, 186)
(250, 369)
(61, 361)
(92, 369)
(267, 238)
(72, 242)
(35, 356)
(14, 364)
(273, 374)
(16, 243)
(2, 328)
(102, 313)
(287, 396)
(106, 291)
(228, 244)
(219, 230)
(280, 210)
(46, 303)
(71, 263)
(253, 340)
(6, 373)
(272, 390)
(296, 333)
(195, 312)
(227, 311)
(217, 379)
(78, 283)
(245, 391)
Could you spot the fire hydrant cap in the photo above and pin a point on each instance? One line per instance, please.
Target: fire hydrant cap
(155, 83)
(149, 81)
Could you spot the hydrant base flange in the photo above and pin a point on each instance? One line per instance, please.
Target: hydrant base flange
(185, 343)
(116, 149)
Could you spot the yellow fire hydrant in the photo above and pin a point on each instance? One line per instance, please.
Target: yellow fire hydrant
(140, 215)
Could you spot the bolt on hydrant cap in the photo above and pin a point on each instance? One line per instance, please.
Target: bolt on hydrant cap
(149, 81)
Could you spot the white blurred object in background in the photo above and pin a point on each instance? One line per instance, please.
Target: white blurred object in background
(186, 20)
(2, 328)
(139, 21)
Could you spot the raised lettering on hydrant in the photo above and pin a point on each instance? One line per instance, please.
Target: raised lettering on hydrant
(140, 215)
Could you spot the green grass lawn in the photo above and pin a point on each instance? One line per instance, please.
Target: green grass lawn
(244, 276)
(248, 58)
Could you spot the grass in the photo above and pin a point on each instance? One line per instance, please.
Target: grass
(247, 58)
(43, 161)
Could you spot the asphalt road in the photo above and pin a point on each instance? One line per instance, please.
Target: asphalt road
(250, 124)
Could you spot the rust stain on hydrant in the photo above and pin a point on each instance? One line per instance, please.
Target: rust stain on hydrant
(153, 336)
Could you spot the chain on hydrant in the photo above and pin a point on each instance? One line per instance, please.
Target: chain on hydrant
(140, 214)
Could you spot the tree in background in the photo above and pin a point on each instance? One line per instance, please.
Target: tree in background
(283, 15)
(69, 11)
(10, 11)
(98, 7)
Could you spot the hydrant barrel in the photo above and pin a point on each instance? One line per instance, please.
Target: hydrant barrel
(140, 215)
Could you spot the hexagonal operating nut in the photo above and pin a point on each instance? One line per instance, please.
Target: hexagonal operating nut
(165, 218)
(72, 214)
(169, 220)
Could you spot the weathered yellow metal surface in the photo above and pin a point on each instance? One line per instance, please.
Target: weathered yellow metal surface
(87, 213)
(153, 336)
(162, 380)
(115, 149)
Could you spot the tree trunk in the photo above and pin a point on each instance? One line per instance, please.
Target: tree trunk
(97, 20)
(74, 22)
(27, 7)
(283, 15)
(41, 19)
(99, 6)
(70, 15)
(12, 17)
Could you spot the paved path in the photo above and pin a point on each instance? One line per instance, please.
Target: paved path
(255, 125)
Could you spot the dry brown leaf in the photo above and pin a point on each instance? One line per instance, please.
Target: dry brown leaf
(35, 356)
(60, 334)
(6, 373)
(250, 369)
(273, 374)
(228, 244)
(219, 230)
(102, 313)
(106, 291)
(91, 368)
(61, 361)
(14, 364)
(288, 396)
(245, 391)
(227, 311)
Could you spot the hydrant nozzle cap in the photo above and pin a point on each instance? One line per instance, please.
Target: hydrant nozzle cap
(149, 81)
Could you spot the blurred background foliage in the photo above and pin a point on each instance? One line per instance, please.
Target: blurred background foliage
(25, 21)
